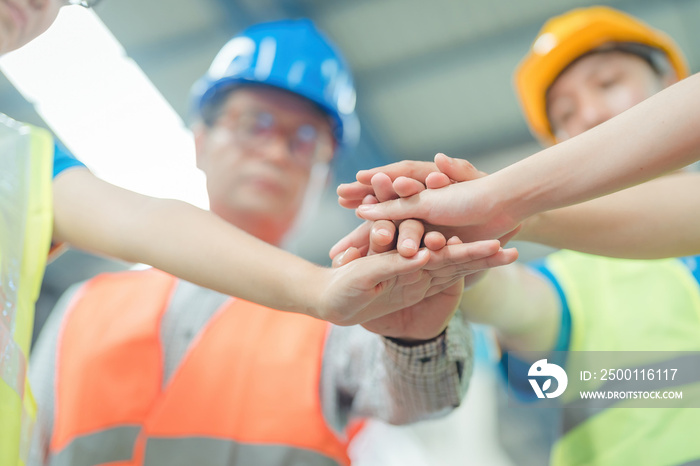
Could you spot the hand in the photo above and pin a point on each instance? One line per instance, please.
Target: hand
(382, 232)
(392, 181)
(380, 236)
(428, 317)
(408, 173)
(449, 171)
(374, 286)
(469, 207)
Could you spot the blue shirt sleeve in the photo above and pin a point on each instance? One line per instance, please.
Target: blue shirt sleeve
(693, 264)
(564, 339)
(63, 160)
(518, 380)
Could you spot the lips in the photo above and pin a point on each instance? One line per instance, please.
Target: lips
(268, 184)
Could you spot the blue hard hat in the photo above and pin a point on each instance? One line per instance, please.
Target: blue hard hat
(291, 55)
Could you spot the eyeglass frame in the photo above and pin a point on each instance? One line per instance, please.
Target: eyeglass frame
(83, 3)
(245, 137)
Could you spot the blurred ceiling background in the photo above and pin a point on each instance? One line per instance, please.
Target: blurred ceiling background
(431, 77)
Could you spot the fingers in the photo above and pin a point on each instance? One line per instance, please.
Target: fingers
(457, 169)
(464, 254)
(398, 209)
(437, 180)
(454, 240)
(357, 238)
(383, 188)
(409, 239)
(350, 195)
(434, 240)
(415, 169)
(390, 265)
(409, 177)
(346, 257)
(381, 237)
(500, 258)
(405, 187)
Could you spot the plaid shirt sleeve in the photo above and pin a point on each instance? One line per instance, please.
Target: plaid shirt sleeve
(366, 375)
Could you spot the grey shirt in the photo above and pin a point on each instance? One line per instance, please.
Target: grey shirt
(363, 374)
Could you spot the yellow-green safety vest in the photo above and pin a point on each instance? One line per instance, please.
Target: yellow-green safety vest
(26, 160)
(632, 306)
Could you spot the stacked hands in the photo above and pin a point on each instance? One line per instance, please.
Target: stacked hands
(404, 207)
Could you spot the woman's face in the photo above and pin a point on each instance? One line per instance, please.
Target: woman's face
(23, 20)
(596, 88)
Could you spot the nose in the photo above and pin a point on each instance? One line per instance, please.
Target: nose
(277, 149)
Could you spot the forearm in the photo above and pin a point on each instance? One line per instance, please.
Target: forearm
(519, 304)
(655, 137)
(650, 221)
(365, 375)
(180, 239)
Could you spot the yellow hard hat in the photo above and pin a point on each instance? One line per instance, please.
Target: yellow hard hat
(565, 38)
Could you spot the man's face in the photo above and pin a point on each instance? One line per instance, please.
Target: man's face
(257, 157)
(598, 87)
(23, 20)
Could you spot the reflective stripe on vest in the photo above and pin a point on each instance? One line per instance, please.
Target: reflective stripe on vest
(246, 392)
(625, 305)
(107, 446)
(26, 157)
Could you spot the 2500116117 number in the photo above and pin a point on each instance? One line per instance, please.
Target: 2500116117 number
(638, 374)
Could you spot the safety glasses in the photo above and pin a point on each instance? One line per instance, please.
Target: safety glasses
(83, 3)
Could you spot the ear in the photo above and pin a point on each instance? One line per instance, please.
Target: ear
(200, 131)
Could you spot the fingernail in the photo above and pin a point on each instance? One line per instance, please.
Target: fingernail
(409, 244)
(365, 208)
(340, 256)
(383, 232)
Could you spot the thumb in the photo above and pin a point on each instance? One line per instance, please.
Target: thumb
(358, 238)
(346, 257)
(388, 265)
(457, 169)
(398, 209)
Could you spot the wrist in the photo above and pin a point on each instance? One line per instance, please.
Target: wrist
(306, 286)
(410, 342)
(510, 197)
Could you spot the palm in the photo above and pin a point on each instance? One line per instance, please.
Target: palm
(423, 320)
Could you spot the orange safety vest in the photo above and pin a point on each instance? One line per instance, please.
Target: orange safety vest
(247, 391)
